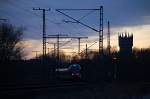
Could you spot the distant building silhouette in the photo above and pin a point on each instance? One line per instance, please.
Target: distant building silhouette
(125, 44)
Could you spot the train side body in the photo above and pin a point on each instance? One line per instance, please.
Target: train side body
(72, 72)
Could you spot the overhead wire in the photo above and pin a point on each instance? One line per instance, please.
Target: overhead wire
(18, 18)
(30, 11)
(37, 15)
(90, 12)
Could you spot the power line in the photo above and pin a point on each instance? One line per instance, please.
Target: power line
(100, 31)
(90, 12)
(61, 36)
(89, 46)
(59, 10)
(29, 11)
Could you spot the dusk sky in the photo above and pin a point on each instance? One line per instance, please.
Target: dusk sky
(131, 16)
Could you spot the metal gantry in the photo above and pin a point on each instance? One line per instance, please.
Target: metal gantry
(62, 36)
(44, 29)
(54, 47)
(87, 47)
(36, 53)
(86, 54)
(100, 30)
(108, 38)
(57, 36)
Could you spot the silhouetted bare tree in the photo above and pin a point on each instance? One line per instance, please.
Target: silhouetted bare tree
(10, 37)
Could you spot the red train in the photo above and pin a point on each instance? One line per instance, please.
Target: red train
(72, 72)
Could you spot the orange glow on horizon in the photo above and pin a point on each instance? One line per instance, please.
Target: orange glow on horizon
(140, 37)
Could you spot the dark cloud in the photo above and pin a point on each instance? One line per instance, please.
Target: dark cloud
(127, 12)
(119, 12)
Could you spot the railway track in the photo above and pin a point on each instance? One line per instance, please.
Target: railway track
(52, 85)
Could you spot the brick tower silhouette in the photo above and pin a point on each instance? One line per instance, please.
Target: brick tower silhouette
(125, 44)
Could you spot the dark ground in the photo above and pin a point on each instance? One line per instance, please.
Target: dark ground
(115, 90)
